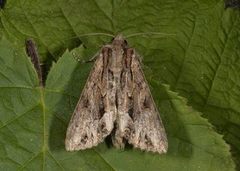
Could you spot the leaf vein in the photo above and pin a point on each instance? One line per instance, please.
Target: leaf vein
(12, 120)
(55, 160)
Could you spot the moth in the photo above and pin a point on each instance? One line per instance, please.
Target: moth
(116, 101)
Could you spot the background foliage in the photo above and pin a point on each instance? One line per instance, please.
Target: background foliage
(194, 77)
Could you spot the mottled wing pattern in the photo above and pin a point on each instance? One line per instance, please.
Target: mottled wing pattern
(116, 95)
(147, 132)
(90, 123)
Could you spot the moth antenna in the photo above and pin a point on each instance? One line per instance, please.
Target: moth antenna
(95, 34)
(149, 33)
(83, 35)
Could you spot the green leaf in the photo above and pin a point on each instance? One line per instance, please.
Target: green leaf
(34, 122)
(201, 62)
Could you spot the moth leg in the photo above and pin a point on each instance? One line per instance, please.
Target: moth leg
(92, 59)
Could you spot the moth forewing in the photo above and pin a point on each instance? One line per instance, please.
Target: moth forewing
(89, 124)
(116, 99)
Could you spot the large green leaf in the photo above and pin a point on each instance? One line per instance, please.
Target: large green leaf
(34, 121)
(201, 62)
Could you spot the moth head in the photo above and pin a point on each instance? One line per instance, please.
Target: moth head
(120, 41)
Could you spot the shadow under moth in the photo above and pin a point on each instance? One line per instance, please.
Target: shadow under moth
(116, 101)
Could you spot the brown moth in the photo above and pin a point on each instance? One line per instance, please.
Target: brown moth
(116, 100)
